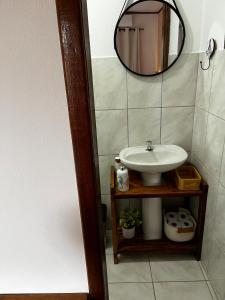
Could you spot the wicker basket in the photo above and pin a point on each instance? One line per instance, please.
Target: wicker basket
(187, 178)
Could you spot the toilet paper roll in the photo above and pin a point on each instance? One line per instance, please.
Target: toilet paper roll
(187, 224)
(171, 216)
(183, 215)
(175, 223)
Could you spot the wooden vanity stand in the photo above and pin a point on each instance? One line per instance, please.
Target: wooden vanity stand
(166, 191)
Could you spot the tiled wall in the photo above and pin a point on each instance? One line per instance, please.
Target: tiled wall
(209, 156)
(132, 109)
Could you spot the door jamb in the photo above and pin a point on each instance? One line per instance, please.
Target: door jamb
(74, 38)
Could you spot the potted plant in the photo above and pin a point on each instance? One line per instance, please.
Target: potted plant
(129, 219)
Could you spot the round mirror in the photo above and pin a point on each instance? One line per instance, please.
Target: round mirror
(149, 36)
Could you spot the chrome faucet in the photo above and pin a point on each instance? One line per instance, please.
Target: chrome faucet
(149, 146)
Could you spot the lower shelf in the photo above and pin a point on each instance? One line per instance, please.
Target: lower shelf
(138, 244)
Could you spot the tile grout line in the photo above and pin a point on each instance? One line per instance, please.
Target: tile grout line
(222, 155)
(203, 271)
(161, 109)
(195, 106)
(190, 281)
(128, 137)
(210, 113)
(128, 140)
(211, 83)
(145, 107)
(211, 290)
(151, 274)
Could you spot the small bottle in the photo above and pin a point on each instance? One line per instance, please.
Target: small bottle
(122, 179)
(117, 163)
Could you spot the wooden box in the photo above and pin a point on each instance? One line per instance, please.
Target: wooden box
(187, 178)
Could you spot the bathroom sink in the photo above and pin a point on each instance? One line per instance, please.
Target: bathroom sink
(161, 159)
(152, 161)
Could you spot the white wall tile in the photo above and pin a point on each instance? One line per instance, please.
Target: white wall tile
(109, 79)
(204, 83)
(106, 199)
(179, 82)
(199, 133)
(219, 232)
(222, 175)
(111, 131)
(211, 216)
(214, 144)
(177, 125)
(217, 99)
(144, 124)
(216, 272)
(144, 91)
(209, 96)
(105, 163)
(121, 205)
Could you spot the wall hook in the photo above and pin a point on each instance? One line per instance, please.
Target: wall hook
(205, 69)
(209, 53)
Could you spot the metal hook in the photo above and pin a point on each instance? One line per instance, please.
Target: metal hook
(205, 69)
(209, 53)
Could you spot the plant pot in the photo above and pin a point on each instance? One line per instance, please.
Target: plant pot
(128, 233)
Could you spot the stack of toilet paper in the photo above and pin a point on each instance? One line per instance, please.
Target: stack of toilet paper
(180, 219)
(175, 222)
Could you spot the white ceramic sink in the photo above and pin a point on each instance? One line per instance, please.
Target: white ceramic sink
(152, 164)
(161, 159)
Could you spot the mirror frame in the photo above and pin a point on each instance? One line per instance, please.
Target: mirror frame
(175, 9)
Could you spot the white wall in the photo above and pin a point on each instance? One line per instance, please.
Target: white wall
(213, 25)
(40, 230)
(103, 15)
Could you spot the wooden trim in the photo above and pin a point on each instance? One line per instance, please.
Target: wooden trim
(166, 35)
(167, 190)
(45, 297)
(74, 38)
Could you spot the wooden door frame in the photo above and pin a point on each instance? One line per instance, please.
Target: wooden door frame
(75, 47)
(74, 39)
(45, 297)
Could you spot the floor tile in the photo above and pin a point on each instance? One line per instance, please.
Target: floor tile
(170, 257)
(131, 291)
(182, 291)
(203, 270)
(211, 291)
(176, 271)
(130, 269)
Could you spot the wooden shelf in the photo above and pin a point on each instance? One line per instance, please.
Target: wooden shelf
(137, 190)
(138, 244)
(167, 190)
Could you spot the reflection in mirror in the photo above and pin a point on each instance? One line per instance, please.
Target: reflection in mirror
(149, 37)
